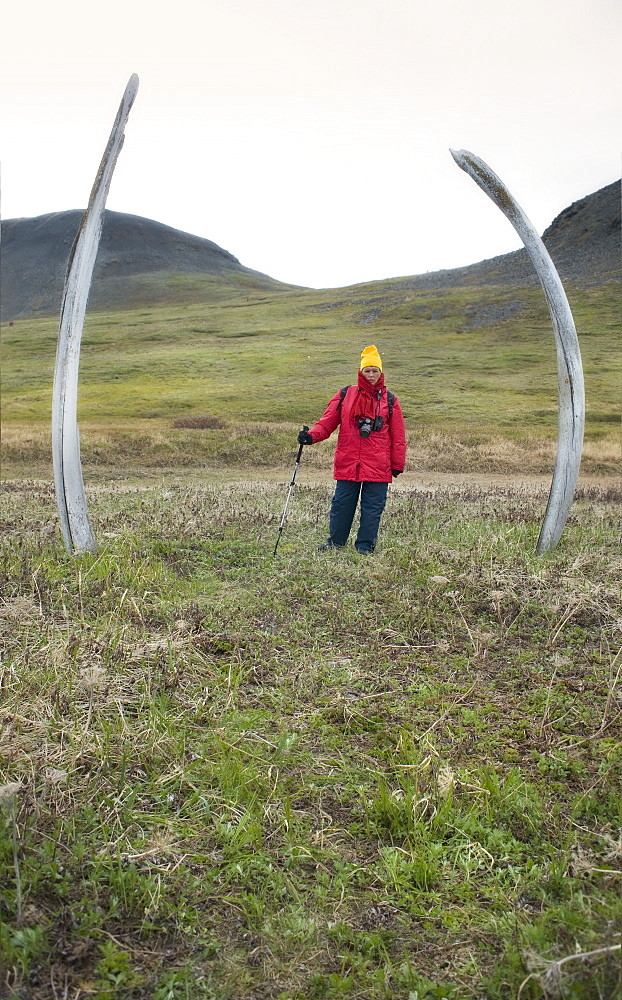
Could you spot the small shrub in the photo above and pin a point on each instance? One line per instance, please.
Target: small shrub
(199, 423)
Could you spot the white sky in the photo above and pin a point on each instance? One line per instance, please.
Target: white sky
(310, 138)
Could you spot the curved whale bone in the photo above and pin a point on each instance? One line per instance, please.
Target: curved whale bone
(571, 394)
(72, 506)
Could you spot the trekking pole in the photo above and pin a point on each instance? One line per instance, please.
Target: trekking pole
(289, 493)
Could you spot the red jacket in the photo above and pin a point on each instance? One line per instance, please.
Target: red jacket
(363, 459)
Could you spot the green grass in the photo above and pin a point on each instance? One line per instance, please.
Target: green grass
(315, 775)
(277, 357)
(482, 399)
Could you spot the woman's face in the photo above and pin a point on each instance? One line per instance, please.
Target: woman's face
(371, 373)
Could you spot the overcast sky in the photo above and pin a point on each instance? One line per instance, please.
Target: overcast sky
(311, 138)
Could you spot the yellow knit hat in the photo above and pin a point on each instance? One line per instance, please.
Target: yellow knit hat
(370, 357)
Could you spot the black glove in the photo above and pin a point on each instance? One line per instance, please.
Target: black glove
(397, 472)
(305, 438)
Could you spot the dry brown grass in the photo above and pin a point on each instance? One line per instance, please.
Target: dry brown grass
(199, 423)
(158, 444)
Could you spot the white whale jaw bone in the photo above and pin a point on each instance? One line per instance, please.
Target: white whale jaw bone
(70, 496)
(570, 393)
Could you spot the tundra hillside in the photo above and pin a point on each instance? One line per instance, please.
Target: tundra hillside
(188, 333)
(474, 369)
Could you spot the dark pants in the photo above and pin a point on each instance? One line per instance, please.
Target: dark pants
(373, 500)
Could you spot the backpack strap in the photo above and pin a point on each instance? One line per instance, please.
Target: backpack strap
(342, 395)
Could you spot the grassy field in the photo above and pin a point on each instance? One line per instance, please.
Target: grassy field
(232, 776)
(474, 369)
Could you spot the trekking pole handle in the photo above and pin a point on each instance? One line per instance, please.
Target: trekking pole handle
(299, 456)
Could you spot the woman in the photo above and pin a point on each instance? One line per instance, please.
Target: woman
(371, 449)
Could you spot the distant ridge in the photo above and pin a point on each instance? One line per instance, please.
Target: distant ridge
(141, 262)
(584, 241)
(135, 265)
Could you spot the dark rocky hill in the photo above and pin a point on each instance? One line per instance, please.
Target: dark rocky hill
(142, 262)
(583, 241)
(135, 263)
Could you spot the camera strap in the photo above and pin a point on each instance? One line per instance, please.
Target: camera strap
(390, 398)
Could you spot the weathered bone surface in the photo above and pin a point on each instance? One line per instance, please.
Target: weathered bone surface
(72, 506)
(571, 394)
